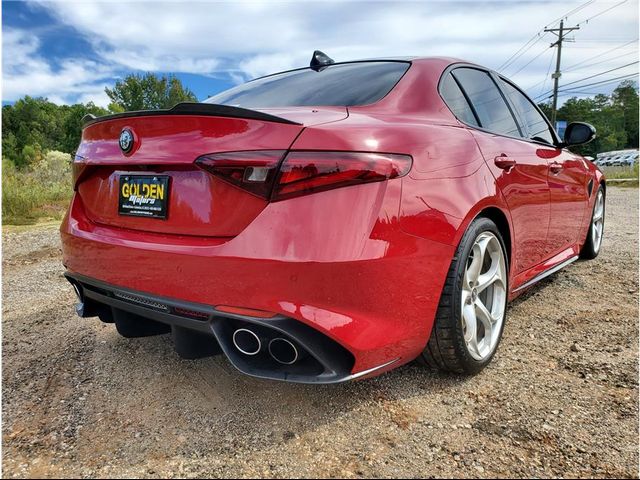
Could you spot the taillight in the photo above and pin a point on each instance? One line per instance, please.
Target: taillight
(78, 166)
(302, 173)
(265, 174)
(253, 171)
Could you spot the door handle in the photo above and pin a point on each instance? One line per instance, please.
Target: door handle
(504, 162)
(555, 167)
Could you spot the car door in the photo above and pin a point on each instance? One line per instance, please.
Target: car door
(520, 169)
(569, 187)
(568, 175)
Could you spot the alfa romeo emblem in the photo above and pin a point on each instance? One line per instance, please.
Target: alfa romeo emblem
(126, 140)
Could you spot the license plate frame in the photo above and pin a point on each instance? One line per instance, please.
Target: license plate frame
(144, 195)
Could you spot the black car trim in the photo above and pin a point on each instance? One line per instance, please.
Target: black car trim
(537, 108)
(453, 66)
(546, 273)
(193, 108)
(335, 360)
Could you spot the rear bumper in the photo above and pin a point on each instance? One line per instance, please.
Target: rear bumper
(356, 281)
(328, 362)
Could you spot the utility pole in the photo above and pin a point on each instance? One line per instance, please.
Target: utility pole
(560, 32)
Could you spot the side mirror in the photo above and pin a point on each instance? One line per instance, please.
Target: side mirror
(578, 133)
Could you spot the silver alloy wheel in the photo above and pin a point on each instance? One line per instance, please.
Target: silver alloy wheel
(597, 224)
(484, 296)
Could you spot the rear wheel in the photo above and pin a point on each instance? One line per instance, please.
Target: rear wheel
(471, 314)
(592, 244)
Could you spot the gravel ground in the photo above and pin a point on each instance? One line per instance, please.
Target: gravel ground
(560, 398)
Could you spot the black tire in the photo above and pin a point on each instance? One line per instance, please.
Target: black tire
(446, 349)
(590, 250)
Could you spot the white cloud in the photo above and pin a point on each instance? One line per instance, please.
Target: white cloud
(264, 64)
(246, 39)
(27, 73)
(143, 59)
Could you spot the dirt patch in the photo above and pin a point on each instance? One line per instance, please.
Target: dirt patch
(560, 398)
(34, 257)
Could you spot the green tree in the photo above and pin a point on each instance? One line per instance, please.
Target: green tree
(546, 109)
(148, 92)
(614, 116)
(30, 122)
(34, 125)
(115, 108)
(625, 99)
(72, 124)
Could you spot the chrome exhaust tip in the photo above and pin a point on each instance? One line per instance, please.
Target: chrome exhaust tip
(247, 341)
(283, 351)
(76, 289)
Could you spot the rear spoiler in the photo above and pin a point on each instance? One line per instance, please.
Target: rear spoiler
(192, 108)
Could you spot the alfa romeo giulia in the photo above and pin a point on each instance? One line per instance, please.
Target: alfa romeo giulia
(331, 222)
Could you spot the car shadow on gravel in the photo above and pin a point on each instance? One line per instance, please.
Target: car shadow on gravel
(221, 401)
(533, 290)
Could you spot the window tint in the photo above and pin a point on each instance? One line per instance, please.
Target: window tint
(493, 112)
(535, 124)
(347, 84)
(456, 101)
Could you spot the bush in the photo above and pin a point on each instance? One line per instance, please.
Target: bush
(40, 191)
(54, 168)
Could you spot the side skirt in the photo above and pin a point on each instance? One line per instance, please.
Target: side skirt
(544, 274)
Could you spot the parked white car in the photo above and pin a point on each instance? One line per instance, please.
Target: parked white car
(617, 158)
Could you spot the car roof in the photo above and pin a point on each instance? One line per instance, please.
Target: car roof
(414, 58)
(408, 59)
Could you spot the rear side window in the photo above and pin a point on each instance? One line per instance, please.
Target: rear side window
(491, 108)
(346, 84)
(535, 124)
(456, 101)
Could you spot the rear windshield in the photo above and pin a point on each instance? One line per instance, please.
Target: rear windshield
(346, 84)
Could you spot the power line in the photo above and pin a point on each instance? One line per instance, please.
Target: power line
(577, 91)
(601, 82)
(530, 61)
(602, 12)
(542, 82)
(578, 87)
(602, 61)
(566, 15)
(524, 49)
(537, 37)
(601, 73)
(600, 40)
(571, 67)
(546, 77)
(589, 77)
(561, 32)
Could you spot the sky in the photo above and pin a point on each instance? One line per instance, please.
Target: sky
(69, 51)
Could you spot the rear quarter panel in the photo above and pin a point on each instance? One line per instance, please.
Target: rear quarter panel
(449, 183)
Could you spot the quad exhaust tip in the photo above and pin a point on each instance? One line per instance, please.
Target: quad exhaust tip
(283, 351)
(247, 341)
(280, 349)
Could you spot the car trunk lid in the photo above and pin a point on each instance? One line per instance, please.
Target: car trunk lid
(166, 143)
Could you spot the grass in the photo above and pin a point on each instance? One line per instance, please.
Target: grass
(39, 193)
(615, 173)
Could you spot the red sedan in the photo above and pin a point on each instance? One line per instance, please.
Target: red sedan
(332, 222)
